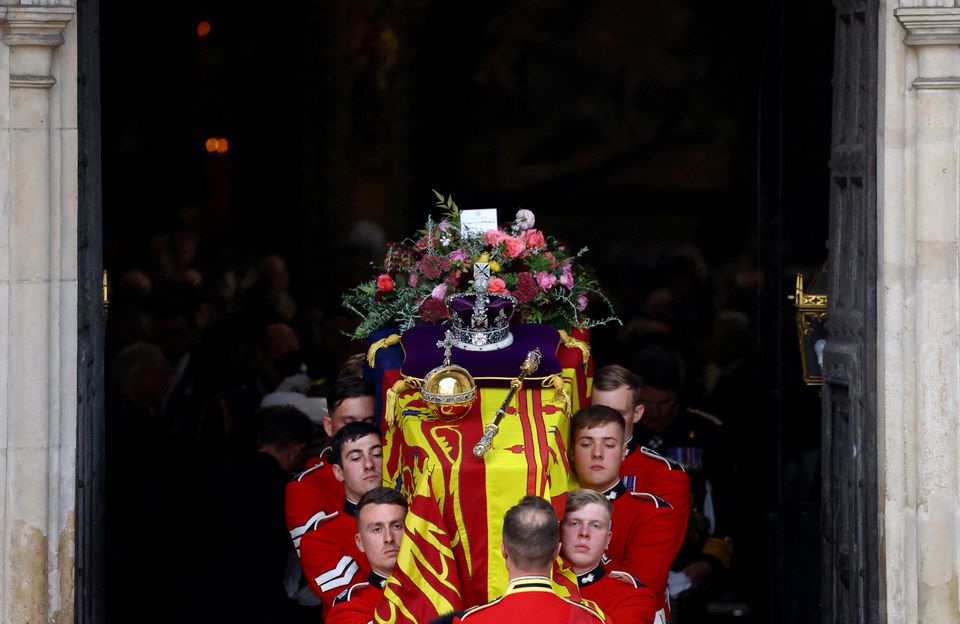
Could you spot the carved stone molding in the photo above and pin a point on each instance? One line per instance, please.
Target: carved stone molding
(930, 25)
(32, 33)
(934, 32)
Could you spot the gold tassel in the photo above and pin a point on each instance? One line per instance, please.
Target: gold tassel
(389, 341)
(573, 343)
(393, 392)
(560, 395)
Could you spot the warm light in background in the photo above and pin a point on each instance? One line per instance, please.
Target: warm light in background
(218, 145)
(203, 28)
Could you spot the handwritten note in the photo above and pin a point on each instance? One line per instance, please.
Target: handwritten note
(476, 222)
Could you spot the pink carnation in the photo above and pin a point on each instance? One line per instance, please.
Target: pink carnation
(526, 288)
(432, 310)
(512, 247)
(431, 267)
(459, 255)
(566, 277)
(546, 280)
(439, 292)
(534, 239)
(496, 285)
(525, 219)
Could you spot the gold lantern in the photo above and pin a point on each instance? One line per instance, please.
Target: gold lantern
(811, 305)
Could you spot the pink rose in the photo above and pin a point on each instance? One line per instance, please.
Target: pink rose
(566, 277)
(581, 303)
(439, 292)
(496, 285)
(534, 239)
(412, 279)
(494, 237)
(384, 283)
(546, 280)
(512, 247)
(459, 255)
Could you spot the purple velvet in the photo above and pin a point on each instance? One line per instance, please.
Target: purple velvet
(463, 307)
(421, 353)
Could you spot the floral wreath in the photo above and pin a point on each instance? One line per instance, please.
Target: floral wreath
(550, 284)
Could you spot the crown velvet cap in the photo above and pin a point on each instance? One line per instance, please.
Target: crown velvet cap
(421, 354)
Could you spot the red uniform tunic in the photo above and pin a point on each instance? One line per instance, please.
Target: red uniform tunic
(357, 604)
(622, 602)
(646, 537)
(329, 555)
(644, 470)
(312, 497)
(531, 599)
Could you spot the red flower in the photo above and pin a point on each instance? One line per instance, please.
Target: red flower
(526, 288)
(433, 310)
(384, 283)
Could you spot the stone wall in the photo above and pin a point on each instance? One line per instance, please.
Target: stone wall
(919, 309)
(38, 309)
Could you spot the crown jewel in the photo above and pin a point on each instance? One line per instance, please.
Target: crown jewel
(481, 320)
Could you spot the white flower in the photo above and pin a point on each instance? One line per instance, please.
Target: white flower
(525, 219)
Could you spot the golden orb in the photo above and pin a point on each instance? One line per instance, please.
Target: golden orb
(449, 390)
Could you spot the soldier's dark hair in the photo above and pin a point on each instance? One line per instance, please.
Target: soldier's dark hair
(380, 496)
(531, 533)
(613, 376)
(353, 367)
(578, 499)
(348, 388)
(349, 433)
(594, 416)
(661, 368)
(284, 425)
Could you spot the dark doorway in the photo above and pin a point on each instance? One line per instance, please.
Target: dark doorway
(685, 143)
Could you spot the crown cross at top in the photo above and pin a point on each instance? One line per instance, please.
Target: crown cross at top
(447, 345)
(481, 279)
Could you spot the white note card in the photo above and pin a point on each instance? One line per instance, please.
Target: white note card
(476, 222)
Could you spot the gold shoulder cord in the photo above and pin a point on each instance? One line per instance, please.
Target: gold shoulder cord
(573, 343)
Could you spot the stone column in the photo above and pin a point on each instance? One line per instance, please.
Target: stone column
(38, 309)
(919, 310)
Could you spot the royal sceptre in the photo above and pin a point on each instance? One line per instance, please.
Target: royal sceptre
(528, 367)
